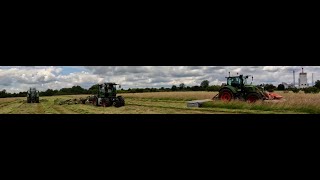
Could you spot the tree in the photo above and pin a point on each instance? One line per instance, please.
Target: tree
(311, 90)
(204, 84)
(317, 84)
(174, 88)
(270, 87)
(195, 88)
(49, 92)
(77, 90)
(95, 88)
(182, 86)
(3, 94)
(295, 90)
(213, 88)
(281, 87)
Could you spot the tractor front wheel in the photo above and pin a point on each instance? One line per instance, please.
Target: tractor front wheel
(252, 97)
(117, 103)
(226, 95)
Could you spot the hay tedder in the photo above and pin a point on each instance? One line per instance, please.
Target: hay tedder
(238, 88)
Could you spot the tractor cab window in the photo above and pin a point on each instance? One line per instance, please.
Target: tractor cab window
(103, 90)
(234, 81)
(110, 88)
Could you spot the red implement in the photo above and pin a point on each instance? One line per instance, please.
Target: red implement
(274, 95)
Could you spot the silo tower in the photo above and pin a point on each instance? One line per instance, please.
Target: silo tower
(303, 80)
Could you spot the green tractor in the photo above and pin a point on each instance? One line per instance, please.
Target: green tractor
(238, 88)
(32, 95)
(107, 96)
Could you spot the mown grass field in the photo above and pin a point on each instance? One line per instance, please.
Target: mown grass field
(166, 103)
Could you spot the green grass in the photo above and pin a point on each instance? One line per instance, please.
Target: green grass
(262, 106)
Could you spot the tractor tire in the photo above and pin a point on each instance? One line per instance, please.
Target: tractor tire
(226, 95)
(95, 101)
(37, 100)
(253, 97)
(28, 100)
(121, 99)
(106, 103)
(117, 103)
(83, 101)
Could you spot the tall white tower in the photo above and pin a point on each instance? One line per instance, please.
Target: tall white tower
(294, 79)
(303, 80)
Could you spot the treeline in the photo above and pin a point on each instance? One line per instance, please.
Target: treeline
(4, 94)
(49, 92)
(204, 86)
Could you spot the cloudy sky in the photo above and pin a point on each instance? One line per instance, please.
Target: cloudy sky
(20, 78)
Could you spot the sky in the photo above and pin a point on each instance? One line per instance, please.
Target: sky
(20, 78)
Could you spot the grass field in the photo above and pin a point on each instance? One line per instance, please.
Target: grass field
(166, 103)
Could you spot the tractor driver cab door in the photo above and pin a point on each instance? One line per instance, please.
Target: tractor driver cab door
(110, 88)
(102, 90)
(234, 82)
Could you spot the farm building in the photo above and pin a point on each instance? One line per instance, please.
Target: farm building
(303, 80)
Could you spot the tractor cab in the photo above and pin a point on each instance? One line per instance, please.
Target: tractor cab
(234, 81)
(108, 90)
(237, 81)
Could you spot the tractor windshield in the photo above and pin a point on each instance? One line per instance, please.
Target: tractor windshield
(110, 88)
(233, 81)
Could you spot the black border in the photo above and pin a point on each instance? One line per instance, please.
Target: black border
(154, 121)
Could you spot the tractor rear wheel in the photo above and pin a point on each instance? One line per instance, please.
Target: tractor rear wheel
(37, 100)
(253, 97)
(225, 95)
(117, 103)
(121, 99)
(28, 100)
(106, 103)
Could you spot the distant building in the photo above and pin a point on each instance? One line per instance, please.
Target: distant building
(303, 80)
(285, 85)
(291, 85)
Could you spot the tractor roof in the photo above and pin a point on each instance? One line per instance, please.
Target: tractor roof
(239, 76)
(233, 76)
